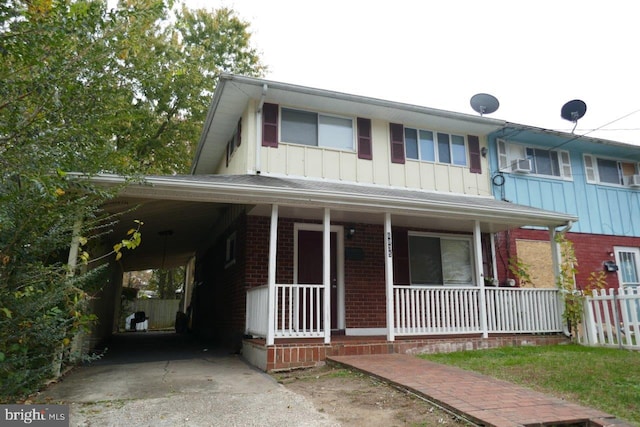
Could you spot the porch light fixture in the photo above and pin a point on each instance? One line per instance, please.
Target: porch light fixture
(351, 230)
(483, 151)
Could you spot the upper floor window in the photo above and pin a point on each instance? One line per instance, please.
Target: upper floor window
(314, 129)
(432, 146)
(610, 171)
(539, 161)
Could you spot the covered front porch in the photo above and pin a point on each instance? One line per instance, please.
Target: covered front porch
(299, 323)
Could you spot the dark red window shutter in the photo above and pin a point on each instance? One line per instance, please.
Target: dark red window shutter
(401, 274)
(364, 139)
(475, 163)
(397, 142)
(239, 133)
(270, 125)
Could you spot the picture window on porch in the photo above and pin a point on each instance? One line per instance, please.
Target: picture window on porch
(230, 255)
(440, 260)
(318, 130)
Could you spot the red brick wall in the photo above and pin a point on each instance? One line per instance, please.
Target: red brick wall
(365, 294)
(591, 251)
(218, 309)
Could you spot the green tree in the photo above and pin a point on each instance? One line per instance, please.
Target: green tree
(90, 89)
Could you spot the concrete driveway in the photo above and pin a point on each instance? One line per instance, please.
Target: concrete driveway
(165, 379)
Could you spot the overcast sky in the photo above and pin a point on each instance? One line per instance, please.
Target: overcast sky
(532, 55)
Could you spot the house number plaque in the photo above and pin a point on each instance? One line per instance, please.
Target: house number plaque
(389, 245)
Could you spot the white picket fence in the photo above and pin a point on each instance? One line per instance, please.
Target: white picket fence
(612, 318)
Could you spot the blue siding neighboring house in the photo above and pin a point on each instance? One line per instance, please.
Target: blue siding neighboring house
(596, 180)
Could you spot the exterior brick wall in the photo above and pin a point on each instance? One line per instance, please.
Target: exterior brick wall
(591, 251)
(365, 293)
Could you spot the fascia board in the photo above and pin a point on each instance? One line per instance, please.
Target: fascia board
(166, 188)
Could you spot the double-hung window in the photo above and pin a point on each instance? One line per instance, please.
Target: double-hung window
(318, 130)
(440, 260)
(432, 146)
(520, 158)
(608, 171)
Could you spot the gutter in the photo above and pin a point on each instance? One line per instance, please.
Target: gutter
(169, 189)
(258, 165)
(305, 90)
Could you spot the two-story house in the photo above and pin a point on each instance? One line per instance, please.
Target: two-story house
(596, 180)
(343, 224)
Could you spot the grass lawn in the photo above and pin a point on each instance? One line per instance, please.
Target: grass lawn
(601, 378)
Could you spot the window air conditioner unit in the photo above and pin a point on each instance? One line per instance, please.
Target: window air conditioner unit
(634, 181)
(521, 166)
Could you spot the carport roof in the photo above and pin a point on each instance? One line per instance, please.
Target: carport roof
(191, 205)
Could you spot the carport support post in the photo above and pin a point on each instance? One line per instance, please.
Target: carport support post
(271, 279)
(388, 268)
(477, 249)
(326, 273)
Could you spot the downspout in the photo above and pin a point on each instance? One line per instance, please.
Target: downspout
(259, 129)
(557, 261)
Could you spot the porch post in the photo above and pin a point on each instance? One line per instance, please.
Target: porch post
(556, 262)
(494, 264)
(477, 249)
(388, 267)
(271, 278)
(326, 273)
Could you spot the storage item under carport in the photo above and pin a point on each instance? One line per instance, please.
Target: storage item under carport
(137, 321)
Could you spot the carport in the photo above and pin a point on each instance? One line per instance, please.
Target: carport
(174, 230)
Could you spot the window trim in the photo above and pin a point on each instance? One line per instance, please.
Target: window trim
(593, 169)
(630, 249)
(436, 143)
(453, 236)
(506, 158)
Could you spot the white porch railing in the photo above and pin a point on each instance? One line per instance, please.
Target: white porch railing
(612, 318)
(429, 310)
(424, 310)
(299, 311)
(418, 310)
(257, 304)
(523, 310)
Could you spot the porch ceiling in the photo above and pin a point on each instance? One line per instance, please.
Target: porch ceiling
(190, 206)
(189, 225)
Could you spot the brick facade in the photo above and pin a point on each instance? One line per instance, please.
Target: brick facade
(591, 251)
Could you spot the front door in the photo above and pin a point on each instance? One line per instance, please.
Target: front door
(310, 265)
(628, 260)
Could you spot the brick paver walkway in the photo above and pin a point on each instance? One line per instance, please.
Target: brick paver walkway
(479, 398)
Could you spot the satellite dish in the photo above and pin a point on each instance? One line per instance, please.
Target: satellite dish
(573, 110)
(483, 103)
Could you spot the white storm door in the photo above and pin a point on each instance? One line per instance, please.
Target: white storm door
(628, 260)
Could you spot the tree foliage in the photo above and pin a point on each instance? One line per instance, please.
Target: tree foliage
(89, 89)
